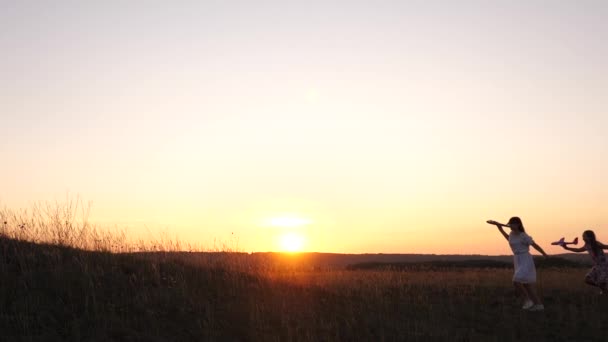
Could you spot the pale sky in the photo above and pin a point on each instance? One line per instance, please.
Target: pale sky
(362, 126)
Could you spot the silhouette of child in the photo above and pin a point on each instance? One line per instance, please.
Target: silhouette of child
(524, 276)
(598, 275)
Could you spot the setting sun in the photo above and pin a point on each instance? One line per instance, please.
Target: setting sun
(291, 242)
(288, 230)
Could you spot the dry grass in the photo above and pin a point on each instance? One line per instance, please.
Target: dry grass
(67, 224)
(64, 280)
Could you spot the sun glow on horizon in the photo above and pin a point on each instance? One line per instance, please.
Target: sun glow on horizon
(289, 231)
(291, 242)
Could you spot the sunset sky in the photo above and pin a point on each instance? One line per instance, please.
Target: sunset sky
(329, 126)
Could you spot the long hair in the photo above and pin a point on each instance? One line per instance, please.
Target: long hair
(517, 220)
(592, 240)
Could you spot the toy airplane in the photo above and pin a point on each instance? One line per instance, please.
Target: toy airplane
(561, 242)
(497, 223)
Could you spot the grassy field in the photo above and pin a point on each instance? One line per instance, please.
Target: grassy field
(53, 291)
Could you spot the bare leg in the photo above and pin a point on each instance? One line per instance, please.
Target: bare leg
(522, 290)
(531, 290)
(602, 286)
(590, 282)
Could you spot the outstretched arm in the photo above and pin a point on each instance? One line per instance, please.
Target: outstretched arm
(602, 246)
(537, 247)
(499, 226)
(576, 250)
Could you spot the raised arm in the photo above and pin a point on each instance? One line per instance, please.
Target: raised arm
(502, 231)
(499, 226)
(537, 247)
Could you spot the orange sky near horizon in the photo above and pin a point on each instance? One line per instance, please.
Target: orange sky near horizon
(397, 127)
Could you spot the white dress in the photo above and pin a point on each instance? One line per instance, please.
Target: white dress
(525, 272)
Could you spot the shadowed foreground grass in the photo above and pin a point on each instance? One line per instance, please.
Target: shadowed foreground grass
(49, 292)
(62, 279)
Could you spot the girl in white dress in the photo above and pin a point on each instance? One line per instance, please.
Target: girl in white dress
(524, 277)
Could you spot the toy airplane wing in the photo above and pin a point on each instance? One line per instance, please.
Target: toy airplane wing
(574, 242)
(562, 242)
